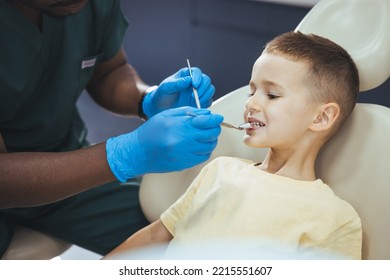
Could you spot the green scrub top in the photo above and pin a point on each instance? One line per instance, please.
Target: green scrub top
(42, 73)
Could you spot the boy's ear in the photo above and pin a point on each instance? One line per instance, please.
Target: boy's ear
(326, 116)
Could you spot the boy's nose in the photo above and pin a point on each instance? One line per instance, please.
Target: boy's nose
(253, 104)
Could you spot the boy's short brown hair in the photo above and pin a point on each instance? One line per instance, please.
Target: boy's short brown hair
(333, 74)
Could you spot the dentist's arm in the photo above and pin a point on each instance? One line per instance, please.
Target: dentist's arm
(29, 179)
(116, 86)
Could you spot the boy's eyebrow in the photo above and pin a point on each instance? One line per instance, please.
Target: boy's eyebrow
(271, 83)
(266, 83)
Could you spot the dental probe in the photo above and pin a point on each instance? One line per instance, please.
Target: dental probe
(194, 89)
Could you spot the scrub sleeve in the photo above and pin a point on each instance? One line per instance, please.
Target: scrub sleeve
(42, 74)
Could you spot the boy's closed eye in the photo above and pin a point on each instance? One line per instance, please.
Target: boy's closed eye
(269, 95)
(272, 95)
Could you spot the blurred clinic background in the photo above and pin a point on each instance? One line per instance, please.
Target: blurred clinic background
(222, 37)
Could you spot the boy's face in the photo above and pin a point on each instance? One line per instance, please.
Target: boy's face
(279, 103)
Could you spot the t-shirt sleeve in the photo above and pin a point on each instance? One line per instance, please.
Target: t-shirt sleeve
(179, 209)
(345, 241)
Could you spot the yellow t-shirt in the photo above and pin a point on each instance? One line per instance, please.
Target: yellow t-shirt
(232, 198)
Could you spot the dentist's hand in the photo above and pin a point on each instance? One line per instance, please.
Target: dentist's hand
(176, 91)
(170, 141)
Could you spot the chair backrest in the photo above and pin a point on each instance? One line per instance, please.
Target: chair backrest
(361, 27)
(355, 164)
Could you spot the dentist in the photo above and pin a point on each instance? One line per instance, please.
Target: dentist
(51, 179)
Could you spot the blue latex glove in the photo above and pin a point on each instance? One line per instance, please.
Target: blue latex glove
(172, 140)
(176, 91)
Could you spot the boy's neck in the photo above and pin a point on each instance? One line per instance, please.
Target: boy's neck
(292, 164)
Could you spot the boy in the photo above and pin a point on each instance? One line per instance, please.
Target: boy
(303, 89)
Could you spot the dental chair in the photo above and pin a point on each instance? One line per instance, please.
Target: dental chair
(361, 27)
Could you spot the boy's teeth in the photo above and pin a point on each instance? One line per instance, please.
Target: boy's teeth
(256, 124)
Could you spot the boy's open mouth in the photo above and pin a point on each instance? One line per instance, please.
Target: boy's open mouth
(256, 124)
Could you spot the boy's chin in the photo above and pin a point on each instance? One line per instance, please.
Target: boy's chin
(250, 142)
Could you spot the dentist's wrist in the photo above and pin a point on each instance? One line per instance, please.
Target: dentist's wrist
(125, 156)
(141, 112)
